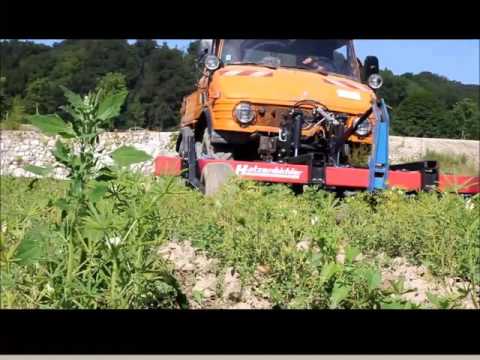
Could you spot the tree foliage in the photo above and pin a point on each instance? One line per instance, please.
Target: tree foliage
(15, 115)
(429, 105)
(464, 119)
(419, 115)
(156, 77)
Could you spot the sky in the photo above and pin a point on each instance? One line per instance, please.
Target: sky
(455, 59)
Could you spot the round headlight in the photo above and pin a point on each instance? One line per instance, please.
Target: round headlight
(375, 81)
(364, 128)
(212, 62)
(244, 113)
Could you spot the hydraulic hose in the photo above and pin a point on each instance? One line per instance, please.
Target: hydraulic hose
(362, 118)
(297, 132)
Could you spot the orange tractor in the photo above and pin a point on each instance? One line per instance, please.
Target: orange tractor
(250, 88)
(293, 111)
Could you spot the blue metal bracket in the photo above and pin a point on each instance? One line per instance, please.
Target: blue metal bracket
(378, 163)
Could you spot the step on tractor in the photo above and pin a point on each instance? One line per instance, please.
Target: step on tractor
(300, 112)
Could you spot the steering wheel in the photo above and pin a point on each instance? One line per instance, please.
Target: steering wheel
(267, 43)
(324, 62)
(269, 60)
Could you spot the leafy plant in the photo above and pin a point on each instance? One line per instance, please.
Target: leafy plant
(443, 302)
(107, 237)
(308, 251)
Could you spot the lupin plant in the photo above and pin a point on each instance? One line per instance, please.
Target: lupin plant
(89, 182)
(89, 117)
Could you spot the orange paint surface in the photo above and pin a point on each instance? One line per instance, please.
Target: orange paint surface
(231, 84)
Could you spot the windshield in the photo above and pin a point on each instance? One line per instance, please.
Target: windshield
(330, 56)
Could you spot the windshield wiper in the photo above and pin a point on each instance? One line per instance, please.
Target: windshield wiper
(253, 63)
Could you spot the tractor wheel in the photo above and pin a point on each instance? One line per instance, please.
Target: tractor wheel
(205, 149)
(185, 134)
(214, 176)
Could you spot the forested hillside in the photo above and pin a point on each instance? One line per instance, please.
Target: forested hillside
(430, 105)
(157, 77)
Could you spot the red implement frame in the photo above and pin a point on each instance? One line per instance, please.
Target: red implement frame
(336, 177)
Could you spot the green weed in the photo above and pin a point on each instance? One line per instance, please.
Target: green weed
(436, 229)
(308, 251)
(98, 250)
(454, 164)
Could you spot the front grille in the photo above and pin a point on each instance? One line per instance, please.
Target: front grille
(273, 115)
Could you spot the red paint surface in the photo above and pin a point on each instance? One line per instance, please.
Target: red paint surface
(346, 177)
(334, 176)
(168, 166)
(461, 184)
(263, 171)
(406, 180)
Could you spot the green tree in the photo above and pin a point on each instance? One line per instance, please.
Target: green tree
(110, 84)
(464, 120)
(168, 75)
(394, 90)
(15, 115)
(135, 114)
(41, 95)
(420, 115)
(3, 97)
(14, 54)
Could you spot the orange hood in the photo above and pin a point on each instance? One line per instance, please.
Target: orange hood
(282, 86)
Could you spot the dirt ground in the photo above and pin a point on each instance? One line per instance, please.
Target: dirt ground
(208, 287)
(420, 282)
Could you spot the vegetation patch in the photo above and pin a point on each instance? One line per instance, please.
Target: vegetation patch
(308, 251)
(93, 249)
(455, 164)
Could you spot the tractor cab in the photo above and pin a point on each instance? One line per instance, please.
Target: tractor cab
(252, 90)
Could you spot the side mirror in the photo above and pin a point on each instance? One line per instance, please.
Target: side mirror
(204, 48)
(360, 68)
(371, 73)
(370, 66)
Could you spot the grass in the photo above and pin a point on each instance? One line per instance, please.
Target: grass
(9, 124)
(249, 226)
(98, 249)
(35, 261)
(455, 164)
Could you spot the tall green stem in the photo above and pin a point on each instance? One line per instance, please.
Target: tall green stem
(70, 262)
(113, 282)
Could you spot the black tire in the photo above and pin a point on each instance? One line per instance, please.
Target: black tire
(205, 149)
(186, 133)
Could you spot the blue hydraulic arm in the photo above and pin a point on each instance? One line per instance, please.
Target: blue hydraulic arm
(378, 162)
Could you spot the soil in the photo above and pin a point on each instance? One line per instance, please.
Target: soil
(420, 281)
(209, 286)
